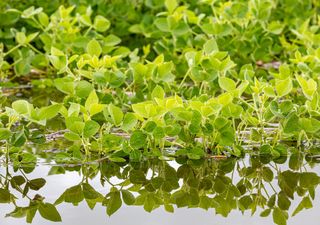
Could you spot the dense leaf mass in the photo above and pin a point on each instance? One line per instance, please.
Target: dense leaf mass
(132, 79)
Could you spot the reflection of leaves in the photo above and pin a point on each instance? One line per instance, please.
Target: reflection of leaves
(114, 202)
(267, 174)
(17, 181)
(219, 185)
(304, 204)
(36, 184)
(203, 186)
(180, 198)
(137, 177)
(283, 201)
(272, 201)
(89, 192)
(18, 212)
(128, 197)
(205, 202)
(245, 202)
(32, 210)
(222, 206)
(49, 212)
(4, 196)
(73, 195)
(288, 181)
(279, 216)
(309, 179)
(169, 208)
(152, 201)
(265, 213)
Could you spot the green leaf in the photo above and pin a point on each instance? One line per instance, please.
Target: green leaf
(49, 212)
(291, 123)
(18, 139)
(138, 139)
(9, 17)
(111, 40)
(275, 27)
(21, 38)
(129, 121)
(114, 202)
(22, 107)
(43, 19)
(162, 24)
(92, 99)
(75, 125)
(32, 36)
(56, 52)
(90, 128)
(128, 197)
(117, 159)
(308, 86)
(49, 112)
(83, 89)
(95, 108)
(158, 92)
(59, 62)
(30, 12)
(65, 85)
(5, 133)
(101, 24)
(72, 136)
(210, 46)
(94, 48)
(283, 87)
(171, 5)
(116, 114)
(227, 84)
(141, 109)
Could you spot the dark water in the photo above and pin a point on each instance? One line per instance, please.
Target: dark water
(200, 192)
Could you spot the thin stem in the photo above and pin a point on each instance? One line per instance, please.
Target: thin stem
(11, 50)
(184, 78)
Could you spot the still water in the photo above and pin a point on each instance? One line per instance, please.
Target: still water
(196, 190)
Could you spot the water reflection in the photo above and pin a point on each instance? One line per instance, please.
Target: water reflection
(277, 189)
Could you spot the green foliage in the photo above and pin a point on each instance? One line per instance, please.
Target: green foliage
(132, 79)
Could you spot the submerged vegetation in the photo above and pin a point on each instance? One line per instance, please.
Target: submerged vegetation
(130, 80)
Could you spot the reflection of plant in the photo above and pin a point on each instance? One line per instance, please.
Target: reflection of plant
(10, 185)
(204, 184)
